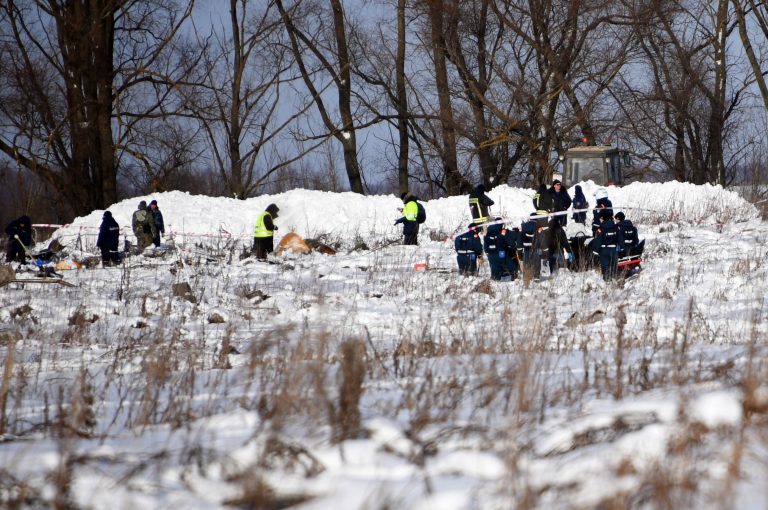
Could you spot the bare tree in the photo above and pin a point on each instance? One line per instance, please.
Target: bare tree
(307, 45)
(691, 98)
(246, 69)
(70, 69)
(752, 17)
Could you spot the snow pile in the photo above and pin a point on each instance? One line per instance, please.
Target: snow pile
(347, 216)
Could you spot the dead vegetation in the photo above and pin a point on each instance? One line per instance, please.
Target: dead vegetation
(188, 363)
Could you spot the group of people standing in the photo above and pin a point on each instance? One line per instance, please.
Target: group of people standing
(541, 242)
(147, 224)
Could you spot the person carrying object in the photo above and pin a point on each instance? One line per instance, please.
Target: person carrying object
(468, 248)
(263, 234)
(20, 239)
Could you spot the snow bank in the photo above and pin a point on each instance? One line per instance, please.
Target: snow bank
(346, 216)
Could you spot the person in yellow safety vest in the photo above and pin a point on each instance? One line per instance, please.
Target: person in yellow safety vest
(263, 240)
(410, 218)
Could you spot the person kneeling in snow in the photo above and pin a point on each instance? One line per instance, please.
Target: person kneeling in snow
(263, 235)
(468, 249)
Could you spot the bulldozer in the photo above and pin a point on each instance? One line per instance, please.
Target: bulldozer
(604, 165)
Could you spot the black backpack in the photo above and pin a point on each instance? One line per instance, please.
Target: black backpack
(421, 215)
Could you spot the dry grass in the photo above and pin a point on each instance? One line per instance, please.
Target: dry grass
(491, 365)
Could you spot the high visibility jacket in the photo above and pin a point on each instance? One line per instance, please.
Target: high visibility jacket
(411, 210)
(261, 229)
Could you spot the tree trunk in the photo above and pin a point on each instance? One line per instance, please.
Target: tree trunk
(86, 39)
(455, 183)
(347, 137)
(402, 102)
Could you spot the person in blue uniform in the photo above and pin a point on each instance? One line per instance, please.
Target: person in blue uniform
(609, 241)
(628, 232)
(468, 248)
(500, 247)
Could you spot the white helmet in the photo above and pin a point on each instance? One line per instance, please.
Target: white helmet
(600, 193)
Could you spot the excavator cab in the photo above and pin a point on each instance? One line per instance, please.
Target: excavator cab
(603, 165)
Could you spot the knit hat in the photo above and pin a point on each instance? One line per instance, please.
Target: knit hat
(143, 204)
(154, 202)
(601, 193)
(556, 181)
(107, 214)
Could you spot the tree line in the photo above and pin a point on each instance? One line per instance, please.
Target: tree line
(103, 99)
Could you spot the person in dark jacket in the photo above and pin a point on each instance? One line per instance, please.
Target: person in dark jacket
(159, 224)
(603, 204)
(608, 241)
(409, 219)
(525, 248)
(501, 253)
(560, 251)
(628, 232)
(514, 241)
(19, 239)
(479, 203)
(543, 201)
(561, 200)
(468, 249)
(580, 202)
(263, 234)
(109, 240)
(143, 226)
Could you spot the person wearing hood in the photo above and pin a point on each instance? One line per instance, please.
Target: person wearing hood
(468, 248)
(263, 235)
(561, 201)
(143, 226)
(19, 239)
(628, 232)
(109, 239)
(157, 216)
(409, 219)
(580, 202)
(479, 203)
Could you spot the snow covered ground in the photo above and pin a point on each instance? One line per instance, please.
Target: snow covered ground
(355, 381)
